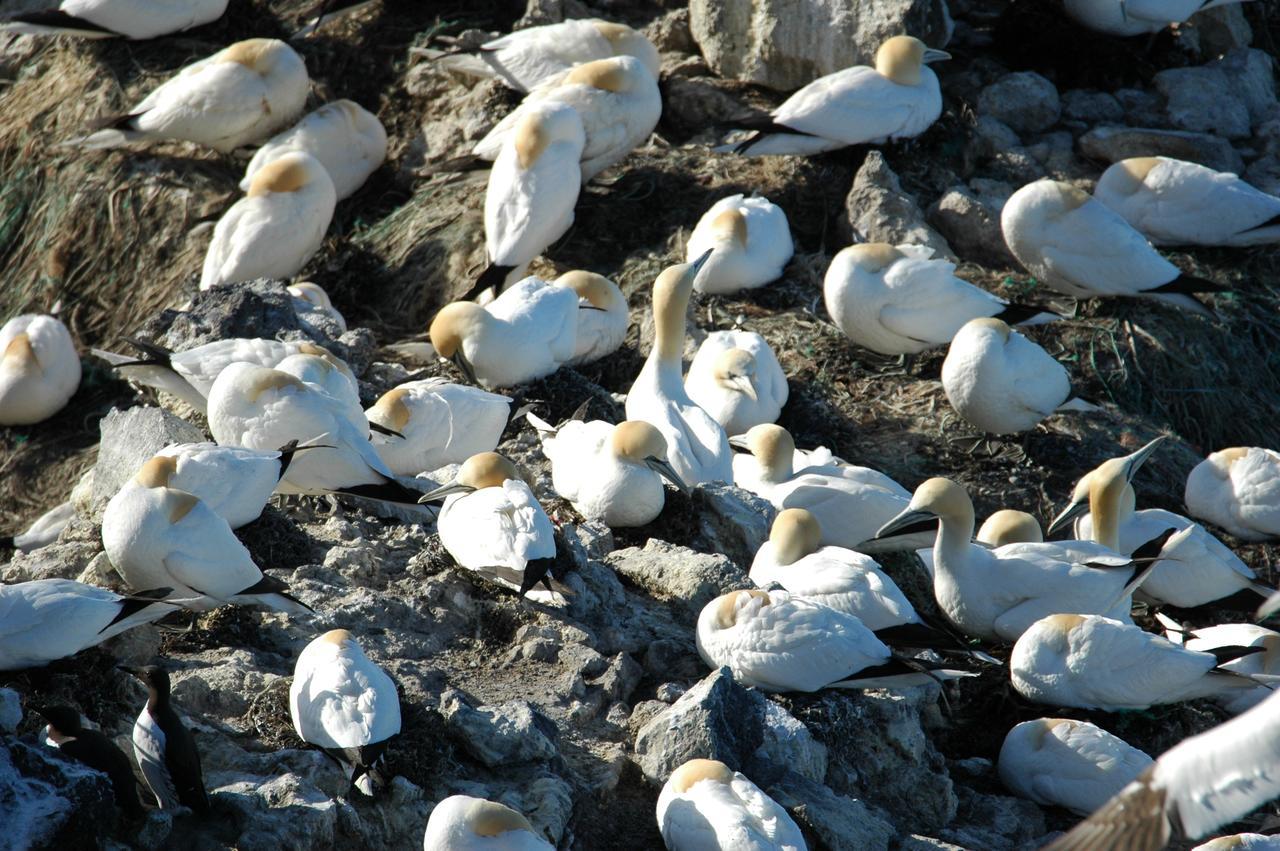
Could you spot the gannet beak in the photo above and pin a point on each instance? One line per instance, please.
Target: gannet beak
(460, 361)
(909, 517)
(1137, 459)
(933, 55)
(1071, 512)
(743, 384)
(1268, 607)
(445, 490)
(591, 307)
(701, 261)
(668, 472)
(739, 441)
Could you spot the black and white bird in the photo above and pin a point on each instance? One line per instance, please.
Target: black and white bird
(165, 749)
(131, 19)
(67, 732)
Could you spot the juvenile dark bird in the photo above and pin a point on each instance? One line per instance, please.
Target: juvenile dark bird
(165, 748)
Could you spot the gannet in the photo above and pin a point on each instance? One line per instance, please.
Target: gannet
(998, 594)
(777, 641)
(158, 536)
(275, 228)
(1006, 526)
(533, 188)
(132, 19)
(1238, 489)
(1136, 17)
(1173, 202)
(697, 446)
(330, 374)
(617, 99)
(611, 473)
(344, 704)
(999, 381)
(46, 528)
(524, 334)
(165, 749)
(1065, 763)
(1267, 663)
(527, 57)
(463, 823)
(51, 619)
(897, 99)
(435, 423)
(736, 378)
(190, 374)
(1078, 246)
(902, 300)
(233, 481)
(1095, 662)
(706, 806)
(239, 95)
(39, 369)
(348, 140)
(851, 503)
(1196, 786)
(602, 315)
(1241, 842)
(67, 732)
(309, 299)
(491, 523)
(751, 242)
(1192, 571)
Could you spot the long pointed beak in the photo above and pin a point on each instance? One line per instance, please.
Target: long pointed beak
(1137, 459)
(460, 361)
(1071, 512)
(743, 384)
(445, 490)
(701, 261)
(739, 441)
(909, 517)
(934, 55)
(664, 469)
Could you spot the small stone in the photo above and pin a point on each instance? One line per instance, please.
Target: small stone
(510, 732)
(669, 692)
(1113, 144)
(10, 710)
(1203, 100)
(698, 104)
(1024, 100)
(1222, 30)
(1141, 108)
(668, 657)
(878, 210)
(971, 223)
(733, 521)
(1264, 173)
(620, 678)
(670, 33)
(994, 136)
(1092, 107)
(994, 822)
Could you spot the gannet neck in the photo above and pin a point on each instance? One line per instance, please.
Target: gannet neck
(774, 449)
(671, 293)
(1107, 502)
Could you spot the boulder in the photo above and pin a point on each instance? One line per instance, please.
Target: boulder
(1222, 30)
(129, 439)
(49, 800)
(1112, 144)
(840, 822)
(970, 221)
(510, 732)
(1203, 100)
(689, 579)
(1091, 107)
(733, 521)
(879, 210)
(1251, 75)
(1024, 100)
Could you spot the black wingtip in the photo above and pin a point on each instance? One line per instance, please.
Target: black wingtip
(1189, 285)
(388, 491)
(535, 571)
(381, 429)
(494, 276)
(1014, 314)
(135, 603)
(57, 19)
(1151, 549)
(1230, 653)
(154, 351)
(271, 585)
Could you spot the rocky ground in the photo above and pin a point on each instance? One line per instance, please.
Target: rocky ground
(575, 716)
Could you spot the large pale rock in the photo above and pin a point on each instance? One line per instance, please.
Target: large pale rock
(129, 439)
(511, 732)
(690, 579)
(784, 44)
(879, 210)
(841, 822)
(1025, 101)
(733, 521)
(970, 221)
(1203, 100)
(1118, 143)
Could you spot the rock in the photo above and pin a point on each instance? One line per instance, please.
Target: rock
(687, 578)
(842, 823)
(1251, 75)
(1203, 100)
(1222, 30)
(1113, 144)
(261, 308)
(540, 12)
(670, 33)
(733, 521)
(971, 223)
(993, 136)
(915, 842)
(56, 561)
(878, 210)
(510, 732)
(547, 802)
(789, 743)
(1264, 173)
(697, 105)
(1024, 100)
(619, 679)
(994, 822)
(10, 710)
(716, 719)
(49, 800)
(1092, 107)
(671, 658)
(784, 44)
(1141, 108)
(129, 439)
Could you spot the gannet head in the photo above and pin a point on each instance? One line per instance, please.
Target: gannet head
(484, 470)
(627, 42)
(735, 370)
(157, 471)
(19, 357)
(989, 325)
(730, 226)
(1224, 458)
(671, 291)
(599, 291)
(311, 294)
(872, 257)
(1046, 200)
(1106, 489)
(935, 498)
(695, 771)
(489, 818)
(773, 448)
(1127, 176)
(452, 327)
(390, 410)
(641, 443)
(795, 534)
(618, 74)
(260, 55)
(728, 606)
(337, 636)
(1009, 526)
(289, 172)
(1054, 631)
(542, 125)
(308, 353)
(250, 380)
(902, 57)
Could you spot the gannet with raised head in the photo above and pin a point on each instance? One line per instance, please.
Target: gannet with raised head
(434, 423)
(1061, 762)
(749, 240)
(602, 315)
(132, 19)
(1136, 17)
(66, 732)
(311, 300)
(1238, 489)
(463, 823)
(697, 446)
(736, 378)
(706, 806)
(344, 137)
(39, 369)
(164, 747)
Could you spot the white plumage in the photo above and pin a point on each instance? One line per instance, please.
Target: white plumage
(46, 528)
(39, 368)
(133, 19)
(705, 806)
(1209, 638)
(1241, 842)
(1065, 763)
(751, 242)
(602, 315)
(442, 423)
(1136, 17)
(1238, 489)
(331, 375)
(344, 137)
(1000, 381)
(272, 231)
(233, 481)
(310, 300)
(463, 823)
(736, 378)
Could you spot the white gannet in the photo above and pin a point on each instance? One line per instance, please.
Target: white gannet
(611, 473)
(275, 228)
(239, 95)
(492, 524)
(736, 378)
(165, 749)
(39, 368)
(533, 187)
(190, 374)
(706, 806)
(902, 300)
(527, 57)
(1238, 489)
(999, 381)
(132, 19)
(1242, 842)
(66, 732)
(344, 704)
(603, 316)
(1006, 526)
(233, 481)
(50, 619)
(310, 299)
(1078, 246)
(897, 99)
(617, 99)
(1065, 763)
(1192, 571)
(45, 529)
(851, 503)
(1136, 17)
(524, 334)
(697, 446)
(751, 242)
(1174, 202)
(1095, 662)
(160, 537)
(433, 423)
(330, 374)
(998, 594)
(1199, 784)
(348, 140)
(463, 823)
(262, 408)
(840, 578)
(1230, 635)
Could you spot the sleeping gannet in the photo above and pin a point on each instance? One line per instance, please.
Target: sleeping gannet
(310, 300)
(433, 423)
(233, 481)
(1065, 763)
(39, 369)
(1136, 17)
(1238, 489)
(706, 806)
(132, 19)
(736, 378)
(751, 242)
(463, 823)
(1210, 638)
(66, 732)
(1006, 526)
(165, 749)
(344, 137)
(330, 374)
(603, 316)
